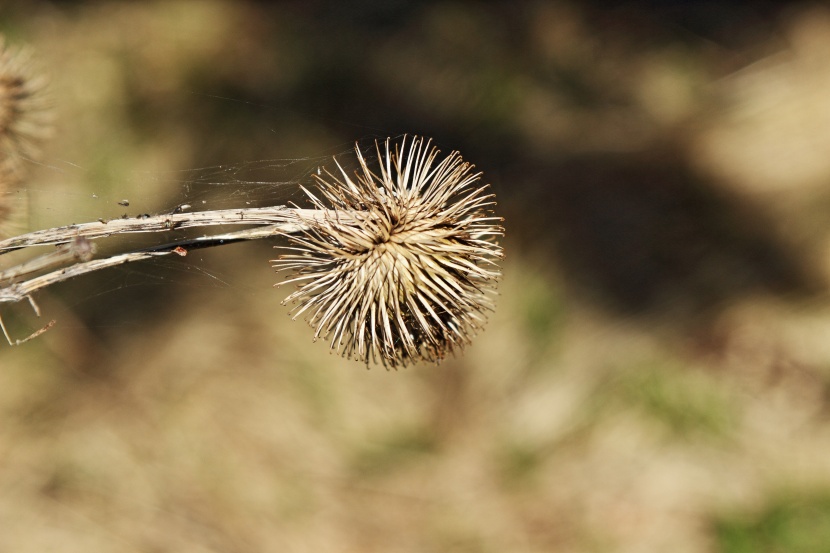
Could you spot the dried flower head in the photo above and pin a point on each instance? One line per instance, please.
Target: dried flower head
(24, 117)
(23, 114)
(399, 265)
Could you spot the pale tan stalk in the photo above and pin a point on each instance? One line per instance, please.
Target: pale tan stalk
(157, 223)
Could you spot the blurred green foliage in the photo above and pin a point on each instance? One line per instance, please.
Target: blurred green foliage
(796, 525)
(393, 450)
(688, 403)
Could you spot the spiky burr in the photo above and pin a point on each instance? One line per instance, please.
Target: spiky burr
(402, 264)
(24, 113)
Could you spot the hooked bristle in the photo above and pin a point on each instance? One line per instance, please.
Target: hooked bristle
(400, 263)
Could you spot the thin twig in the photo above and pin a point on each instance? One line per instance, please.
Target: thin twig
(78, 249)
(75, 244)
(21, 290)
(34, 334)
(158, 223)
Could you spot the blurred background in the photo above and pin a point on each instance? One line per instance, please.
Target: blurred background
(656, 376)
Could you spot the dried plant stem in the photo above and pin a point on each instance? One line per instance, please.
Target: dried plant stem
(21, 290)
(18, 291)
(79, 249)
(159, 223)
(75, 244)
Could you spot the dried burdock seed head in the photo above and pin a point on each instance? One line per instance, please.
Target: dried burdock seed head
(394, 264)
(24, 116)
(399, 264)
